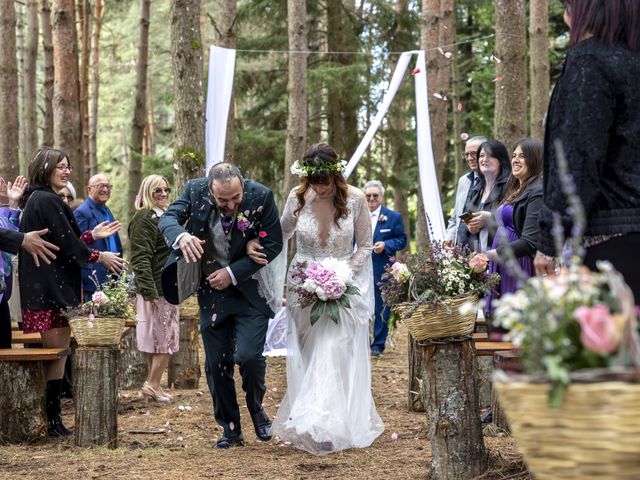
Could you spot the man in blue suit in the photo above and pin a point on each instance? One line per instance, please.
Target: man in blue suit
(93, 211)
(388, 238)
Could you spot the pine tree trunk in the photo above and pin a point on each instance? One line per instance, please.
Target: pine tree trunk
(186, 55)
(539, 64)
(9, 124)
(438, 18)
(140, 111)
(84, 20)
(47, 87)
(297, 118)
(457, 114)
(510, 120)
(95, 393)
(30, 143)
(20, 54)
(151, 121)
(23, 416)
(453, 415)
(67, 127)
(98, 14)
(227, 38)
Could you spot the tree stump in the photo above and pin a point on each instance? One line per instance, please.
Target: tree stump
(132, 364)
(23, 417)
(416, 360)
(453, 414)
(508, 361)
(96, 396)
(184, 366)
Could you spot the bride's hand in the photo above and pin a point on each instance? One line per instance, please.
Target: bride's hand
(254, 252)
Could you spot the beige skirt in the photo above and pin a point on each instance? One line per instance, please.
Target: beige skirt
(158, 328)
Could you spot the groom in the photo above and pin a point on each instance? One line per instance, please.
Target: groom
(220, 214)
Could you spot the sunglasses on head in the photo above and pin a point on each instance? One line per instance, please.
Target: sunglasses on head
(160, 190)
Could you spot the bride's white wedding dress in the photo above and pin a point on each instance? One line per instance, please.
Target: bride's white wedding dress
(328, 406)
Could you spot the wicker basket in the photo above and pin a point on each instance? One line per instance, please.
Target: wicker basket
(594, 434)
(445, 320)
(97, 332)
(190, 307)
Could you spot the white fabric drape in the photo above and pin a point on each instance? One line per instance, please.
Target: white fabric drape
(222, 62)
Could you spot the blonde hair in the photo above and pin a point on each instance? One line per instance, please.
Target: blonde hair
(144, 199)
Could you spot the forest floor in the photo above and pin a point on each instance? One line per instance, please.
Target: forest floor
(165, 441)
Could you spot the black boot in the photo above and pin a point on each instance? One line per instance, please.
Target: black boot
(55, 426)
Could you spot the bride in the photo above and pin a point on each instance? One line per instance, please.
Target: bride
(328, 406)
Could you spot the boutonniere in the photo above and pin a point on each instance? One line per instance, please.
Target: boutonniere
(382, 218)
(242, 221)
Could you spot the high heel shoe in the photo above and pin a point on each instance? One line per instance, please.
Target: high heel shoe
(149, 393)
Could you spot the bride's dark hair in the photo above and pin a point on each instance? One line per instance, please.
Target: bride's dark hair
(318, 156)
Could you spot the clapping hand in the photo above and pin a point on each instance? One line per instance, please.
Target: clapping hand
(112, 261)
(105, 229)
(11, 193)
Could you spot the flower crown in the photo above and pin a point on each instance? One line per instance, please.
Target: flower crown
(303, 169)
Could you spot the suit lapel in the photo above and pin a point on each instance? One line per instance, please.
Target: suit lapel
(376, 232)
(237, 237)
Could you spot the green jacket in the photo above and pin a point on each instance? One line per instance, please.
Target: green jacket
(149, 252)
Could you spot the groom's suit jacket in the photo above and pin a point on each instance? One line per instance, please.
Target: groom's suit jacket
(191, 213)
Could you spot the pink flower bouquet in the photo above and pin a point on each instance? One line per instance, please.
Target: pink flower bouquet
(324, 286)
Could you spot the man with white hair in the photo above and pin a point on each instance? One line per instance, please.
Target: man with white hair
(388, 238)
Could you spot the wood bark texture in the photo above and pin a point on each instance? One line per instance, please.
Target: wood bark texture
(47, 86)
(227, 38)
(296, 142)
(9, 124)
(453, 415)
(23, 417)
(98, 13)
(415, 401)
(132, 364)
(84, 20)
(30, 143)
(510, 119)
(184, 366)
(186, 56)
(67, 127)
(95, 393)
(140, 110)
(539, 64)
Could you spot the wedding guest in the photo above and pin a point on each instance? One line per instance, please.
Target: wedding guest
(464, 190)
(53, 287)
(594, 114)
(10, 195)
(517, 218)
(494, 169)
(157, 331)
(93, 211)
(388, 239)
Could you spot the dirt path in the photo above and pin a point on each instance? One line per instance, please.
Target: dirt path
(182, 449)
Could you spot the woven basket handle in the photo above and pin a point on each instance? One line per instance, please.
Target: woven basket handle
(629, 351)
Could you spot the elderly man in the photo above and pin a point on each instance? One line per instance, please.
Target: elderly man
(388, 238)
(92, 212)
(464, 188)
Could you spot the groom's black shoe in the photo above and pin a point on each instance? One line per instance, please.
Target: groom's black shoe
(228, 442)
(262, 425)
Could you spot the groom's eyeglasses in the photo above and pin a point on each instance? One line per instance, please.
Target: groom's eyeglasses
(371, 195)
(160, 190)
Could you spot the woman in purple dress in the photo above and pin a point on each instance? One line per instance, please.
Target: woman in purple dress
(517, 218)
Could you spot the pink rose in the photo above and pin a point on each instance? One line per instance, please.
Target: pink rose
(599, 330)
(479, 263)
(99, 298)
(334, 289)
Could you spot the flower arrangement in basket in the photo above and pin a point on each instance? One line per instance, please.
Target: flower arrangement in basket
(324, 286)
(100, 320)
(435, 292)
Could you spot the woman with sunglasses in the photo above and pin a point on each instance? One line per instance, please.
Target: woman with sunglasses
(157, 331)
(47, 290)
(594, 115)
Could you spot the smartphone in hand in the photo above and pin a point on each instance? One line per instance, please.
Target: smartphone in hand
(466, 217)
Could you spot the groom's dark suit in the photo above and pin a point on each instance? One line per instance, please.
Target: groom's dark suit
(233, 321)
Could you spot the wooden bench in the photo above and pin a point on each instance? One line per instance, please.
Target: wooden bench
(486, 348)
(17, 337)
(23, 378)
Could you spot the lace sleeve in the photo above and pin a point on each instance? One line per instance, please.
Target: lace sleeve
(288, 220)
(362, 229)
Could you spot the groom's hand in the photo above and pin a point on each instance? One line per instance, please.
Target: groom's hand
(220, 279)
(191, 247)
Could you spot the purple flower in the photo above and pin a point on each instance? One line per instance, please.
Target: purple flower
(319, 274)
(334, 289)
(243, 224)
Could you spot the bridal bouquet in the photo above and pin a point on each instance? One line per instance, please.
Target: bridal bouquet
(326, 285)
(576, 320)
